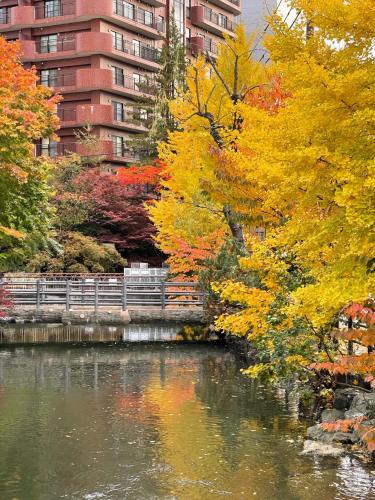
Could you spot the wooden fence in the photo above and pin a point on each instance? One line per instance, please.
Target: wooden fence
(96, 294)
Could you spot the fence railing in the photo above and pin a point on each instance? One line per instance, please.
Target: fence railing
(54, 9)
(95, 294)
(138, 15)
(219, 20)
(129, 82)
(138, 50)
(58, 80)
(4, 15)
(46, 46)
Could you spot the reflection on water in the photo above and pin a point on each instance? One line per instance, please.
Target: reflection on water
(59, 334)
(158, 421)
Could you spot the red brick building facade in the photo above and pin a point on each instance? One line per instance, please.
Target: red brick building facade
(102, 55)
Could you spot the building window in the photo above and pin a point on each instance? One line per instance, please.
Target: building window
(4, 15)
(118, 40)
(140, 82)
(118, 145)
(137, 48)
(143, 115)
(48, 43)
(128, 10)
(118, 111)
(47, 148)
(222, 21)
(145, 17)
(118, 76)
(209, 45)
(124, 9)
(52, 8)
(48, 77)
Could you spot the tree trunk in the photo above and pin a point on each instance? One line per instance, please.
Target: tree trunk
(236, 228)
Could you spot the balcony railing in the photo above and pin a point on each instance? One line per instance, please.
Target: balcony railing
(221, 21)
(210, 46)
(55, 149)
(45, 11)
(125, 154)
(4, 15)
(102, 149)
(142, 51)
(139, 16)
(48, 47)
(129, 82)
(60, 80)
(67, 115)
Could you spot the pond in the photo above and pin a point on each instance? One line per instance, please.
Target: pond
(154, 421)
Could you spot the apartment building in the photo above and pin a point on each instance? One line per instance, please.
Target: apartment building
(102, 56)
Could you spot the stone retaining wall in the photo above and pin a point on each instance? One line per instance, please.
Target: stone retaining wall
(115, 317)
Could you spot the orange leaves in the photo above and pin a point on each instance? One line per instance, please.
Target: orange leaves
(27, 112)
(269, 97)
(141, 175)
(364, 337)
(362, 360)
(362, 364)
(186, 260)
(363, 313)
(350, 424)
(11, 232)
(367, 435)
(358, 424)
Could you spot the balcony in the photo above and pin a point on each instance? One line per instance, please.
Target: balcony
(86, 44)
(4, 17)
(140, 54)
(139, 20)
(87, 79)
(62, 82)
(233, 6)
(132, 87)
(211, 21)
(60, 9)
(201, 45)
(102, 148)
(96, 114)
(136, 20)
(17, 17)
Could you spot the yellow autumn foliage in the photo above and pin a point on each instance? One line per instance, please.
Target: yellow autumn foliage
(301, 164)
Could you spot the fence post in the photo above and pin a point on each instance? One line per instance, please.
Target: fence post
(42, 291)
(204, 299)
(96, 295)
(124, 295)
(37, 295)
(68, 295)
(163, 295)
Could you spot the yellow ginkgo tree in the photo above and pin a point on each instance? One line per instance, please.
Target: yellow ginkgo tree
(312, 163)
(290, 148)
(196, 210)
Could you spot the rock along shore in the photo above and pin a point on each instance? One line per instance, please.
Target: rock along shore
(349, 405)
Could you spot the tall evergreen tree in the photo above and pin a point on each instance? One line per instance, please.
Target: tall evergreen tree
(168, 82)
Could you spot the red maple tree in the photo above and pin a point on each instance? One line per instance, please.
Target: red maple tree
(115, 211)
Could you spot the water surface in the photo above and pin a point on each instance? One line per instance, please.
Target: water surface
(154, 421)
